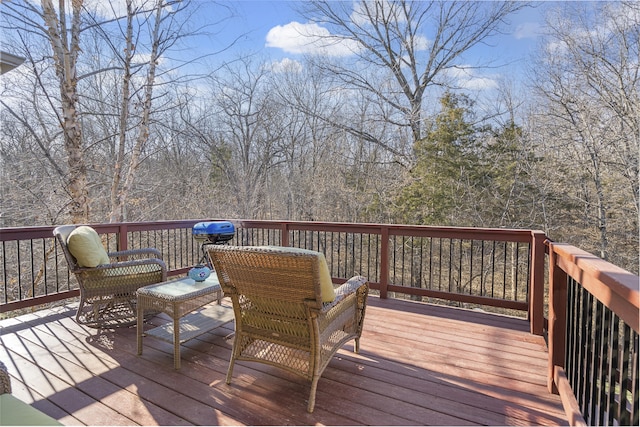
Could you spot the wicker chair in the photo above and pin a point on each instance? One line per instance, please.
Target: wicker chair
(280, 315)
(5, 379)
(108, 290)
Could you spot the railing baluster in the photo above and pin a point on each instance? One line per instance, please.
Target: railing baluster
(582, 325)
(516, 270)
(627, 397)
(44, 268)
(332, 252)
(32, 271)
(493, 269)
(56, 265)
(368, 273)
(587, 323)
(5, 275)
(603, 362)
(471, 267)
(593, 371)
(632, 386)
(460, 287)
(482, 276)
(19, 271)
(572, 336)
(339, 254)
(393, 259)
(609, 373)
(450, 264)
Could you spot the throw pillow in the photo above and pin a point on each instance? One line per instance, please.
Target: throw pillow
(85, 245)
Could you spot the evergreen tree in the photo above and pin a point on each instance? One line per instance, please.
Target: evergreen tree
(445, 157)
(470, 175)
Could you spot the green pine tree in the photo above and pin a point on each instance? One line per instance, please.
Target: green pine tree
(444, 159)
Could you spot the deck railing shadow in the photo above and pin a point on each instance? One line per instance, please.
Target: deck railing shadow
(116, 377)
(360, 378)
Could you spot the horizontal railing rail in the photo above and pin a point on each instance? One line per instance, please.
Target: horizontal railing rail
(594, 323)
(464, 266)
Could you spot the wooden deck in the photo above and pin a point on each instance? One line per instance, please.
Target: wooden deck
(419, 365)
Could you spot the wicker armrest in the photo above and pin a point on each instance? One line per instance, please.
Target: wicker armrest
(137, 253)
(349, 287)
(124, 265)
(5, 380)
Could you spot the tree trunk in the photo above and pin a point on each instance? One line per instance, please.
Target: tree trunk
(119, 211)
(115, 197)
(65, 55)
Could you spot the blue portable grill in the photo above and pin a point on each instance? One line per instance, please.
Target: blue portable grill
(212, 233)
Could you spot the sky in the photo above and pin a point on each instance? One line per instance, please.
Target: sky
(271, 29)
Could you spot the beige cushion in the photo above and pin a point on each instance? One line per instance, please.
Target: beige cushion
(326, 284)
(85, 245)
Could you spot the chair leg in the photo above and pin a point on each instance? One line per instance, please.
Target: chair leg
(312, 394)
(230, 370)
(235, 352)
(80, 310)
(356, 347)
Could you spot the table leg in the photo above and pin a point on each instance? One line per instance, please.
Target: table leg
(139, 327)
(176, 342)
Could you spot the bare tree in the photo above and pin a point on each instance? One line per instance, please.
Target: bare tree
(587, 79)
(112, 69)
(246, 142)
(404, 47)
(65, 45)
(119, 194)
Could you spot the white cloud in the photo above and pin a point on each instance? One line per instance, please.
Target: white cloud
(528, 30)
(298, 38)
(421, 42)
(478, 83)
(361, 17)
(286, 65)
(116, 8)
(467, 78)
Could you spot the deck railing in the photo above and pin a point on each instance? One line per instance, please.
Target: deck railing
(593, 305)
(593, 337)
(462, 266)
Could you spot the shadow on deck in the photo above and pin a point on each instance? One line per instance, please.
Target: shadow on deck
(419, 364)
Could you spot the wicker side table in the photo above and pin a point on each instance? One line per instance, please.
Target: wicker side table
(180, 298)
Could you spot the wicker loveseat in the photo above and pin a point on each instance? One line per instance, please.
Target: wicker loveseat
(286, 310)
(107, 281)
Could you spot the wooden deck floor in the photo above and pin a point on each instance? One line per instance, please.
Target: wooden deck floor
(419, 365)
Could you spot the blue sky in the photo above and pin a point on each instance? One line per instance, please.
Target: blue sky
(271, 28)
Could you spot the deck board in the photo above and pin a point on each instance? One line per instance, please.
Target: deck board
(419, 364)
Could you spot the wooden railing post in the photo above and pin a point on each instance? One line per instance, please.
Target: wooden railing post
(123, 241)
(384, 261)
(536, 289)
(284, 234)
(557, 318)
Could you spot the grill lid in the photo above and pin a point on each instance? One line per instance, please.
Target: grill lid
(214, 231)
